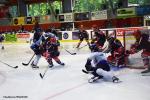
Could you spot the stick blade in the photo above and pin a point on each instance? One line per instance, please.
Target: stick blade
(73, 53)
(16, 67)
(84, 71)
(25, 64)
(41, 76)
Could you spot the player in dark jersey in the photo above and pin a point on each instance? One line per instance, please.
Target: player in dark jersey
(116, 50)
(99, 37)
(1, 41)
(83, 35)
(46, 46)
(52, 51)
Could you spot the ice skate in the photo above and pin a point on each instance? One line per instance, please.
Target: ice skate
(146, 71)
(115, 79)
(34, 66)
(94, 79)
(2, 47)
(63, 64)
(50, 65)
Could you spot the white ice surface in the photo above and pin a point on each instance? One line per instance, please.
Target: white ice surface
(64, 82)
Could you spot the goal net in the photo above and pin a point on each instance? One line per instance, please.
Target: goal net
(127, 39)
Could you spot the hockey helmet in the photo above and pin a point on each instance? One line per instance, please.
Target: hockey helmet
(110, 39)
(38, 30)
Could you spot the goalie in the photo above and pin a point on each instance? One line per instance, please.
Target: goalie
(142, 43)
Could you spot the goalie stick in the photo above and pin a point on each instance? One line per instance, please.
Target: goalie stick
(134, 67)
(146, 74)
(26, 64)
(9, 65)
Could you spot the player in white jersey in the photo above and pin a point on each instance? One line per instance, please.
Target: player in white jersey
(98, 66)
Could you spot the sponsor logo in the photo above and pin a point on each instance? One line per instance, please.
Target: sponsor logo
(65, 35)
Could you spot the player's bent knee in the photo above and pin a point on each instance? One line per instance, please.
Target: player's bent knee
(99, 71)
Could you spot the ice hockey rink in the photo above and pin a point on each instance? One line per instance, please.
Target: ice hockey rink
(64, 82)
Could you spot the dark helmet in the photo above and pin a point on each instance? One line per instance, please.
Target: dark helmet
(110, 38)
(50, 29)
(38, 30)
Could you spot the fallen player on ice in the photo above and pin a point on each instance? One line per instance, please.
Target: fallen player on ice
(99, 68)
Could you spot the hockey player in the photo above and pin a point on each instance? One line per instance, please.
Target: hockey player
(98, 66)
(99, 37)
(83, 35)
(116, 50)
(1, 41)
(46, 47)
(37, 34)
(54, 31)
(37, 47)
(50, 32)
(52, 51)
(142, 43)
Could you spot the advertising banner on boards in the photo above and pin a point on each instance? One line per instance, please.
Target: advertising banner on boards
(19, 21)
(98, 15)
(126, 12)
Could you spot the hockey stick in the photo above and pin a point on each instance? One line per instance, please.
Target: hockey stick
(82, 47)
(146, 74)
(8, 65)
(42, 76)
(84, 71)
(70, 52)
(26, 64)
(134, 67)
